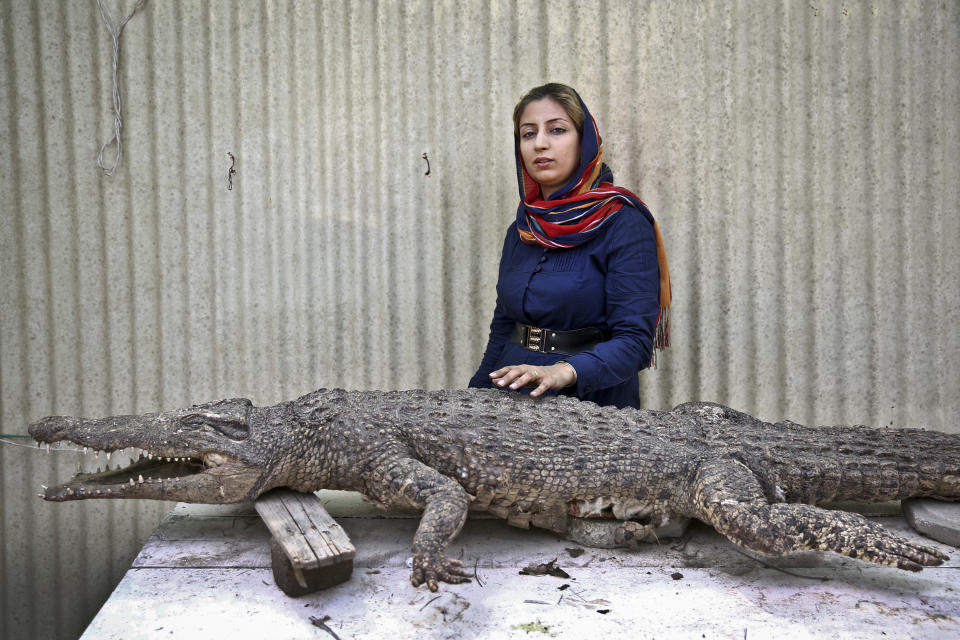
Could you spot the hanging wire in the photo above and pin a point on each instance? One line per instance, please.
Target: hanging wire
(4, 436)
(115, 31)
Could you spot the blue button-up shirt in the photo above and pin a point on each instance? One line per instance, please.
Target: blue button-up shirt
(611, 282)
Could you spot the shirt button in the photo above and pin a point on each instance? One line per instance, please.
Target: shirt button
(544, 258)
(537, 269)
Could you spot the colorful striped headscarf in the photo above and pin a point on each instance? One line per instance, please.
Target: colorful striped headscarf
(577, 211)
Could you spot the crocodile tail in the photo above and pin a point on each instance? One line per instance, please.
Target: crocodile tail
(795, 463)
(816, 465)
(826, 464)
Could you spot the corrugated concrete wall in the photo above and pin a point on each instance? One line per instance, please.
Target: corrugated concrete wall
(803, 159)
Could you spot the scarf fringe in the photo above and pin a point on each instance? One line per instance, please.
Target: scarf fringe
(661, 337)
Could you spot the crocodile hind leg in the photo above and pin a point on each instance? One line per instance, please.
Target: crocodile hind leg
(406, 482)
(728, 496)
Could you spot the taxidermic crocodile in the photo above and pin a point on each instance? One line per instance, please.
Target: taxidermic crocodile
(533, 461)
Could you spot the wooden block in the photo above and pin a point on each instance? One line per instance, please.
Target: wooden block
(309, 550)
(299, 582)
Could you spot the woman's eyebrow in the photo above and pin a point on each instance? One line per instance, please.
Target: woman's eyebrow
(533, 124)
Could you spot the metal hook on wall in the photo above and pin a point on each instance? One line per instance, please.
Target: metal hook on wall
(231, 171)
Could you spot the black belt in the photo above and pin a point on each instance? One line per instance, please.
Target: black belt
(565, 343)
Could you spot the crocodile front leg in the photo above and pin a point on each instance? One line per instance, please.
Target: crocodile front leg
(406, 482)
(728, 496)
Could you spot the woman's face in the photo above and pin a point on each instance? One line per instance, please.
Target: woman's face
(549, 144)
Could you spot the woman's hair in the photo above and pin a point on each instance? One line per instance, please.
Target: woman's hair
(563, 94)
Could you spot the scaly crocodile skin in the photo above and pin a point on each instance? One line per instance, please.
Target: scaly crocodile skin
(533, 462)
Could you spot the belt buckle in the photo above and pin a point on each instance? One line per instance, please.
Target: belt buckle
(534, 339)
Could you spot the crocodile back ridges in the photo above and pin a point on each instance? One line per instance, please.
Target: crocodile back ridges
(816, 465)
(530, 421)
(494, 442)
(482, 436)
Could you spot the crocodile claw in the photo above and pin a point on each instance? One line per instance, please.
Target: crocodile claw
(779, 529)
(431, 568)
(883, 547)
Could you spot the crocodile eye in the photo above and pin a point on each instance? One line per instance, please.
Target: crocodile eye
(230, 426)
(232, 429)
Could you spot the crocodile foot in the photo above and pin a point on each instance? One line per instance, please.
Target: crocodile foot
(779, 529)
(432, 567)
(870, 541)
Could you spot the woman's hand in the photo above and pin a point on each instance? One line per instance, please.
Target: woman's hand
(555, 376)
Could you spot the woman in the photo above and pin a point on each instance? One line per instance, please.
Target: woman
(583, 290)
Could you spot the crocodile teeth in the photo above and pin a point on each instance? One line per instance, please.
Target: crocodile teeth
(131, 482)
(140, 478)
(48, 447)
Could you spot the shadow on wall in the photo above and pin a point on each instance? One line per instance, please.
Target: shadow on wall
(61, 561)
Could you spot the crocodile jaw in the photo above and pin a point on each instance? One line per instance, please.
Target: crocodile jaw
(159, 473)
(183, 480)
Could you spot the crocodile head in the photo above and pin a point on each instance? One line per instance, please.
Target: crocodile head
(212, 453)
